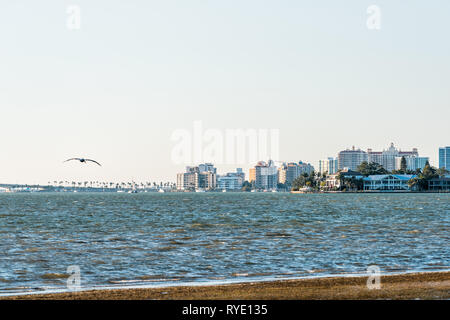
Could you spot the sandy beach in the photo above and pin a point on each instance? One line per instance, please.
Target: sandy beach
(429, 285)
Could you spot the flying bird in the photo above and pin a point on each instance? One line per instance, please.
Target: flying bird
(83, 160)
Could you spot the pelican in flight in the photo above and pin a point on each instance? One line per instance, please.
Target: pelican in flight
(83, 160)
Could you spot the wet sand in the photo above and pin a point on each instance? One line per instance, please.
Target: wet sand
(429, 285)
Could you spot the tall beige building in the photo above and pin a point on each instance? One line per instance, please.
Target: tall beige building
(201, 177)
(252, 174)
(287, 173)
(265, 175)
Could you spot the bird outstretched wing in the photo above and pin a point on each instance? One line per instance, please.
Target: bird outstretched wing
(93, 161)
(72, 159)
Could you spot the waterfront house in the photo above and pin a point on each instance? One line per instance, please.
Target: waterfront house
(387, 182)
(439, 184)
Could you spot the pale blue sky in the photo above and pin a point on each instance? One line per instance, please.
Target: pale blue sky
(116, 89)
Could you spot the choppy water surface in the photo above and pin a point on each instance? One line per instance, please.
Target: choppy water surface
(141, 239)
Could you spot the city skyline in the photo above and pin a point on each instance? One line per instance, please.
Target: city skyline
(222, 170)
(116, 87)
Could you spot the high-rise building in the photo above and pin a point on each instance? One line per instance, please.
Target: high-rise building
(200, 177)
(288, 172)
(444, 158)
(329, 165)
(386, 158)
(266, 175)
(304, 167)
(282, 173)
(186, 181)
(207, 167)
(231, 180)
(252, 175)
(351, 158)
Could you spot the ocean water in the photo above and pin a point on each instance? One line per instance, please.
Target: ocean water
(154, 239)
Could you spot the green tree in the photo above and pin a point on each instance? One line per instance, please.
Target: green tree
(371, 168)
(350, 183)
(299, 182)
(442, 172)
(418, 183)
(403, 165)
(246, 186)
(421, 181)
(303, 180)
(429, 172)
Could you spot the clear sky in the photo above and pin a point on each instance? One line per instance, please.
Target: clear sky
(116, 89)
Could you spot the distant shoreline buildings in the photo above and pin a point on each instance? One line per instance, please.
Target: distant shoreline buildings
(400, 166)
(353, 169)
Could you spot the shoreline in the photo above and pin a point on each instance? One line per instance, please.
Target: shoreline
(103, 191)
(420, 285)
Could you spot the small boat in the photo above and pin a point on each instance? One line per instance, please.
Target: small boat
(224, 190)
(161, 190)
(199, 190)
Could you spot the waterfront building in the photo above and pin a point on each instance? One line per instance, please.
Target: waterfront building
(387, 182)
(265, 175)
(186, 181)
(387, 157)
(351, 158)
(207, 180)
(412, 162)
(329, 165)
(292, 172)
(444, 158)
(288, 172)
(439, 184)
(231, 180)
(200, 177)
